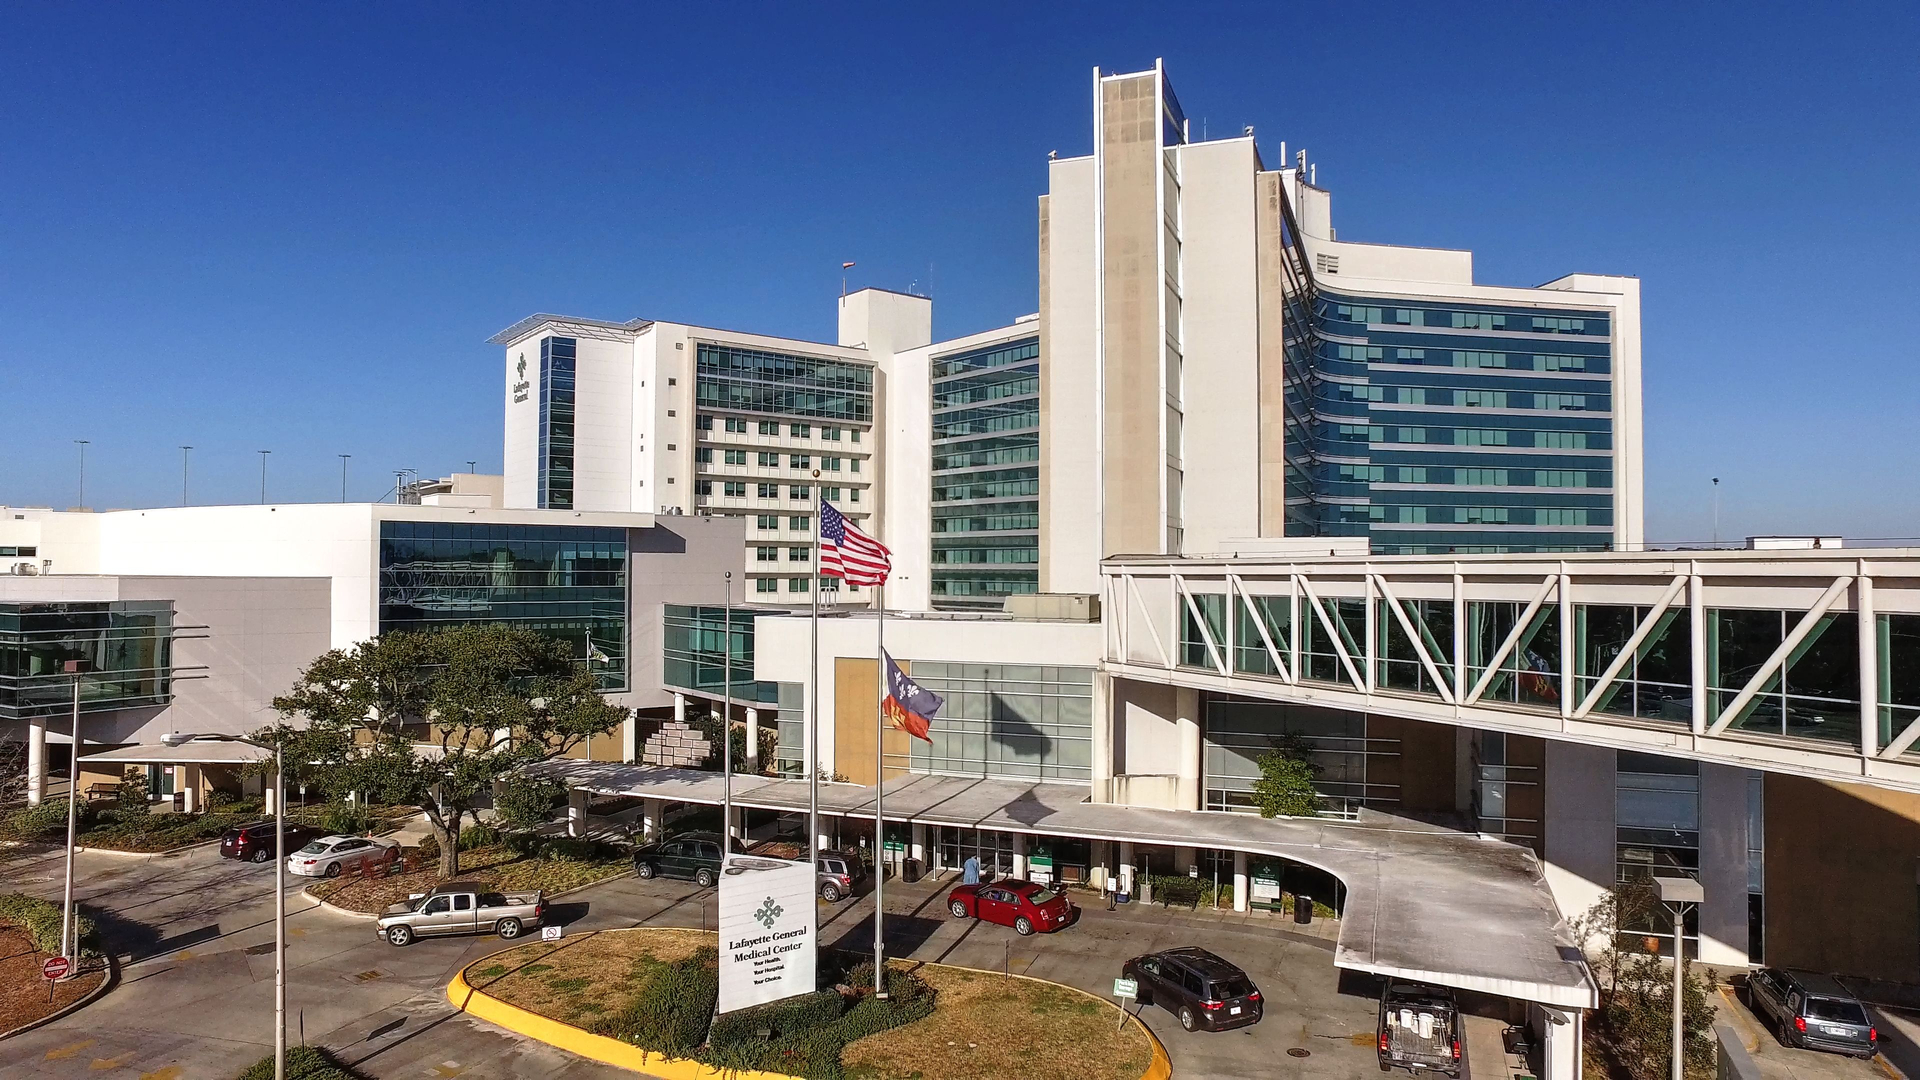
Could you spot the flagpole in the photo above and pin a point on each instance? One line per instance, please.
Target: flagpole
(813, 688)
(879, 823)
(726, 722)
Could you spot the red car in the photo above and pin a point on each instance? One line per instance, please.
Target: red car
(1026, 907)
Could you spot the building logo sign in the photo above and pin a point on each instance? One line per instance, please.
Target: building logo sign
(521, 387)
(767, 931)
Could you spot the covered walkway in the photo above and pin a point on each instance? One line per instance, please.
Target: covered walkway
(1422, 902)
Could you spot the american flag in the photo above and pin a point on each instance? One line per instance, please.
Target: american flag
(846, 552)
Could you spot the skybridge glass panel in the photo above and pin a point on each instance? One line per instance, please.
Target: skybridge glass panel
(125, 647)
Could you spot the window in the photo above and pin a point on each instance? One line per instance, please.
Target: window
(767, 522)
(1561, 440)
(796, 584)
(799, 461)
(1482, 477)
(1559, 516)
(799, 554)
(736, 457)
(737, 425)
(703, 422)
(1484, 399)
(435, 906)
(1413, 475)
(800, 523)
(767, 491)
(831, 494)
(1410, 434)
(766, 554)
(1480, 437)
(797, 491)
(855, 462)
(735, 491)
(703, 455)
(1359, 353)
(670, 382)
(766, 584)
(769, 427)
(1547, 324)
(853, 494)
(830, 434)
(555, 476)
(856, 434)
(830, 464)
(1565, 402)
(832, 584)
(703, 487)
(1362, 473)
(1481, 515)
(1480, 359)
(1358, 433)
(1479, 320)
(1562, 363)
(768, 461)
(801, 431)
(1559, 478)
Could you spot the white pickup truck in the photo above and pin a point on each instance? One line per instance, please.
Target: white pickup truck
(461, 907)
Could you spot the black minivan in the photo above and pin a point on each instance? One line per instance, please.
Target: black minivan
(1812, 1011)
(1200, 988)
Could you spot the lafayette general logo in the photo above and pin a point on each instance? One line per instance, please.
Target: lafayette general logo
(769, 912)
(520, 388)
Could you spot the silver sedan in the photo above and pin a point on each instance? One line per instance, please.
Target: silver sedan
(330, 855)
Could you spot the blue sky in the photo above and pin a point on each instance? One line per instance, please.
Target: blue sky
(252, 227)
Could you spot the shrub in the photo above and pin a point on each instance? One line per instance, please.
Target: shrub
(342, 819)
(133, 798)
(303, 1063)
(429, 849)
(41, 920)
(670, 1014)
(35, 821)
(1287, 773)
(478, 836)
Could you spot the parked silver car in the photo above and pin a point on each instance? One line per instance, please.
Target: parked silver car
(461, 907)
(329, 855)
(1812, 1011)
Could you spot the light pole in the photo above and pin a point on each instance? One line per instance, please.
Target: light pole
(184, 451)
(343, 476)
(1679, 894)
(263, 475)
(726, 720)
(67, 944)
(175, 738)
(82, 444)
(1716, 510)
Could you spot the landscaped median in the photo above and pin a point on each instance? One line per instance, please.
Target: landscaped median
(643, 999)
(509, 863)
(29, 936)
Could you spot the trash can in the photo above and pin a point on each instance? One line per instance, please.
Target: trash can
(179, 802)
(912, 870)
(1302, 909)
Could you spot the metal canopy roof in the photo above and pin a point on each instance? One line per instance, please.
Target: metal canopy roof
(1423, 902)
(197, 752)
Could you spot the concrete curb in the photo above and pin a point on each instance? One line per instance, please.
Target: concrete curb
(106, 984)
(465, 998)
(167, 854)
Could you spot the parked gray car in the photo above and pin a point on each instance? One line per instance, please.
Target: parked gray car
(461, 907)
(1812, 1011)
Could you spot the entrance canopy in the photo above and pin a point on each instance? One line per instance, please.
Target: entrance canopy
(1423, 902)
(196, 752)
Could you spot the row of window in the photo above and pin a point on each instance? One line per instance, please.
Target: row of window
(771, 523)
(1468, 358)
(986, 388)
(993, 356)
(960, 488)
(1423, 474)
(800, 493)
(704, 456)
(1480, 515)
(1463, 320)
(1550, 440)
(1471, 399)
(737, 425)
(798, 585)
(988, 420)
(1002, 450)
(769, 553)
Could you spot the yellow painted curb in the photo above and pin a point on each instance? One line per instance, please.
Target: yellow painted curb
(585, 1043)
(622, 1055)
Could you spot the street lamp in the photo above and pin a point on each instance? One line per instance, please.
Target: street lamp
(1679, 894)
(175, 738)
(69, 947)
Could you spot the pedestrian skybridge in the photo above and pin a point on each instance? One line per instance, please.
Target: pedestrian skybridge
(1792, 661)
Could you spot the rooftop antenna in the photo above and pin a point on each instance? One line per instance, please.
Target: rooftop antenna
(1301, 157)
(1283, 149)
(1313, 174)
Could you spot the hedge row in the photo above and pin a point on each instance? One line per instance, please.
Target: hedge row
(41, 920)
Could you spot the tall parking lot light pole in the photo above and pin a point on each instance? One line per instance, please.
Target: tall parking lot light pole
(175, 738)
(1679, 894)
(68, 947)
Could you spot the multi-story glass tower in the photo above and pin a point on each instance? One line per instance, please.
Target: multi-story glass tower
(986, 474)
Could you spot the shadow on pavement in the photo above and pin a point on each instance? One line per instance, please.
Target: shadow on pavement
(905, 934)
(566, 914)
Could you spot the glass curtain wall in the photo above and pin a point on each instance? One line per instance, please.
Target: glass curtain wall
(757, 381)
(568, 582)
(126, 647)
(555, 479)
(1237, 733)
(1007, 720)
(986, 475)
(1657, 820)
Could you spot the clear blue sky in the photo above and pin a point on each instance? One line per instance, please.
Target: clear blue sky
(251, 227)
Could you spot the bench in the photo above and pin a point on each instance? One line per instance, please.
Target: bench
(1178, 891)
(102, 791)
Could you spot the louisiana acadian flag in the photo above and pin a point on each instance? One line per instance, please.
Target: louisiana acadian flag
(909, 706)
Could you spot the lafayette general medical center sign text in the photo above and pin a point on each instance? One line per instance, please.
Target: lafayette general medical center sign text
(767, 928)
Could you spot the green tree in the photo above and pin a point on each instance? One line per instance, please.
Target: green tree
(528, 802)
(433, 719)
(1287, 772)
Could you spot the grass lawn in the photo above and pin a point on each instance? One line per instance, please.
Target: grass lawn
(497, 865)
(983, 1025)
(987, 1025)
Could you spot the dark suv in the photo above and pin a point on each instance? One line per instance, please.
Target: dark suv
(1200, 988)
(1812, 1011)
(254, 842)
(694, 855)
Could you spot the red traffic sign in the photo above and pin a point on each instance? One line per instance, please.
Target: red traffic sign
(56, 967)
